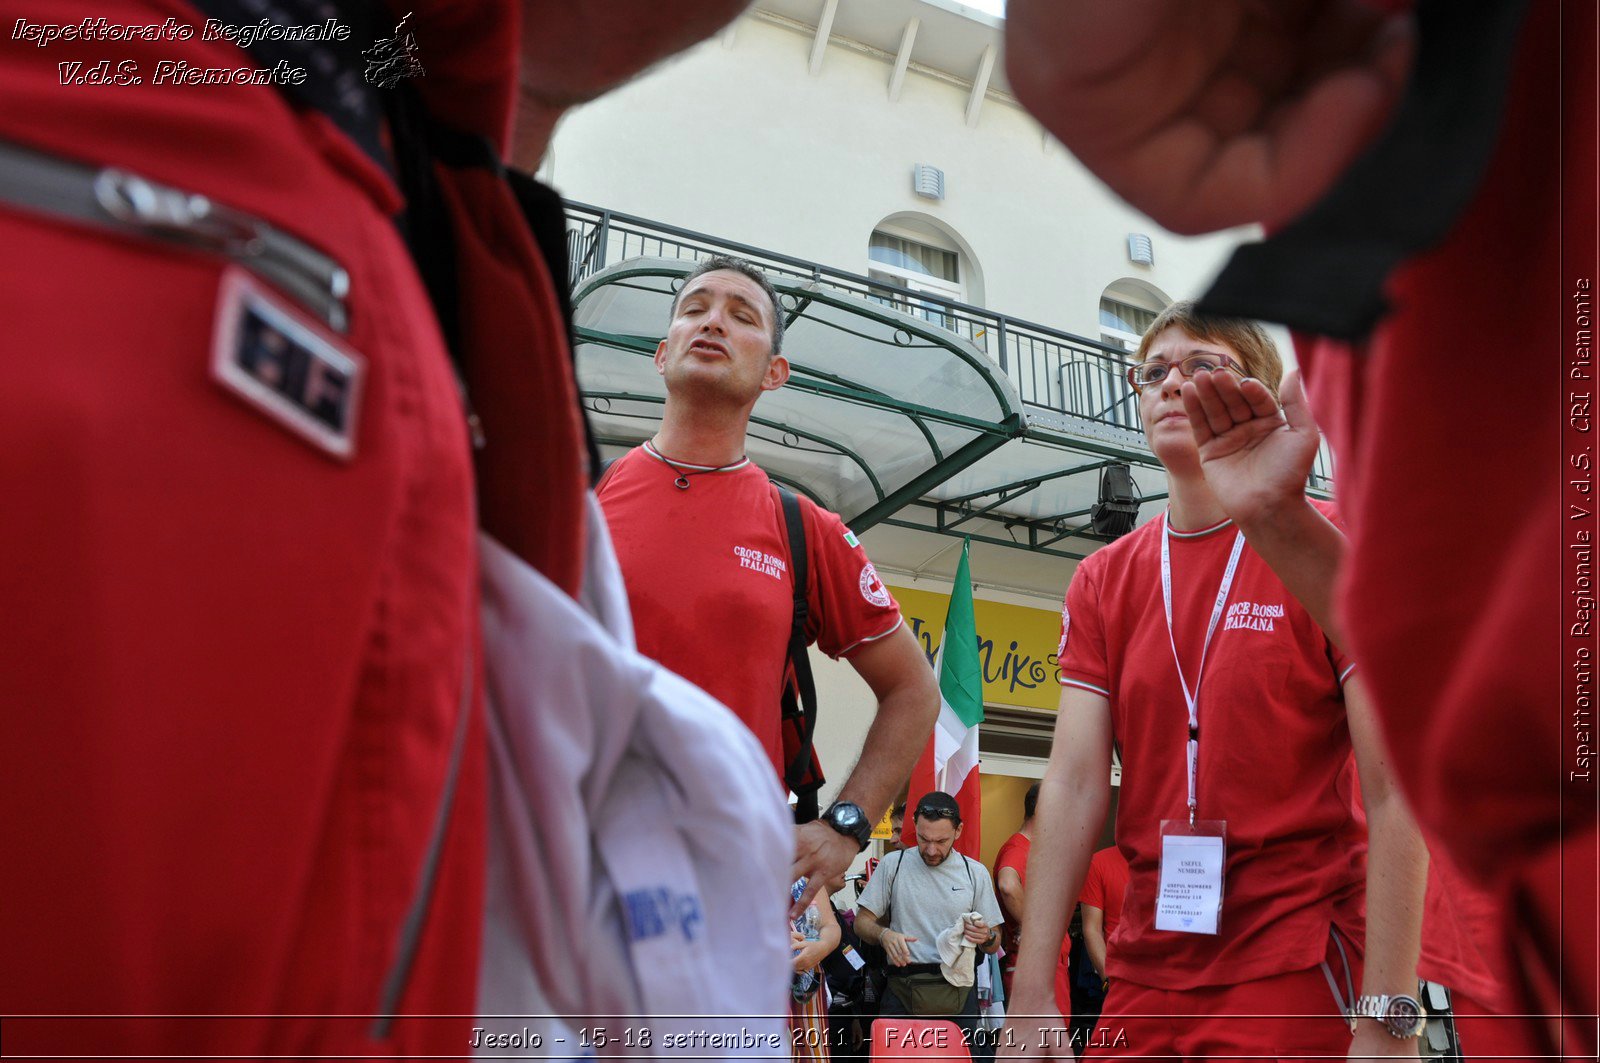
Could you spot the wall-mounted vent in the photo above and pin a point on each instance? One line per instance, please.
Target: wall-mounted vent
(928, 181)
(1140, 251)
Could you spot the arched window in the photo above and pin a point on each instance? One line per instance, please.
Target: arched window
(1095, 385)
(1127, 308)
(918, 265)
(915, 264)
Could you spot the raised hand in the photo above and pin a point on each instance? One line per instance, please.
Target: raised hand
(1208, 115)
(1255, 455)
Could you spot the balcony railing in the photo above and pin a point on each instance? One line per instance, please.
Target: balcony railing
(1051, 369)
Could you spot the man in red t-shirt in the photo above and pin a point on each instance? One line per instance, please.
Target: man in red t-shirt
(700, 535)
(1101, 900)
(1010, 881)
(1010, 872)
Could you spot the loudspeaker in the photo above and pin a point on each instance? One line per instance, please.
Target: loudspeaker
(1115, 514)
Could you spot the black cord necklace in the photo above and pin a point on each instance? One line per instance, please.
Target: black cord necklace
(686, 471)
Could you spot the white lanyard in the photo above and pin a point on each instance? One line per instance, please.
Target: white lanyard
(1191, 697)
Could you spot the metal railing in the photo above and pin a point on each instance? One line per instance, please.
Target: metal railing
(1051, 369)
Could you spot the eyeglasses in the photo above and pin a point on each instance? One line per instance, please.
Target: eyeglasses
(1149, 374)
(938, 811)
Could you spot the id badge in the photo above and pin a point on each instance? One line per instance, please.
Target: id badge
(1189, 896)
(285, 365)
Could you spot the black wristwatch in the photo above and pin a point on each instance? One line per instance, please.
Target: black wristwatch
(847, 818)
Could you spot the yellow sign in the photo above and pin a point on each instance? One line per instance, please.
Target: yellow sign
(1016, 645)
(885, 828)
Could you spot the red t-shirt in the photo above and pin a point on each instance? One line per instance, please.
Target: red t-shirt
(1104, 885)
(1273, 745)
(707, 570)
(1461, 935)
(1014, 854)
(1460, 632)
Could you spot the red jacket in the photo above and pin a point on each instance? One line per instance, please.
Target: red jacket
(237, 675)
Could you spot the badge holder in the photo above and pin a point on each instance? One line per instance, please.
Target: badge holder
(1194, 856)
(1194, 852)
(279, 360)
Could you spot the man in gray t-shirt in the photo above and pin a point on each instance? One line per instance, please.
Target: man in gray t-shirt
(917, 894)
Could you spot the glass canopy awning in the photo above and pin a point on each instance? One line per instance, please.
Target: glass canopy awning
(885, 418)
(879, 407)
(900, 412)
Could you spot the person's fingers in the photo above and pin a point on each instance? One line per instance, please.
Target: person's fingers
(1197, 414)
(803, 855)
(1317, 136)
(1232, 398)
(1259, 397)
(1209, 386)
(813, 887)
(1212, 402)
(1296, 408)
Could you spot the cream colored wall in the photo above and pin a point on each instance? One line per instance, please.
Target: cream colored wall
(1002, 811)
(846, 709)
(742, 143)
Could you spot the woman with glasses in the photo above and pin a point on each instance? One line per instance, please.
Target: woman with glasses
(1255, 894)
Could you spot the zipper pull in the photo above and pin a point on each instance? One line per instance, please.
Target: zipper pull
(194, 219)
(135, 201)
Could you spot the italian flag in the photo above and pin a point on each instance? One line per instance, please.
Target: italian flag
(950, 761)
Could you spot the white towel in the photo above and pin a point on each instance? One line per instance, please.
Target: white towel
(956, 952)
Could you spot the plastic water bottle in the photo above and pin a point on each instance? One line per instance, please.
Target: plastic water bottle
(809, 926)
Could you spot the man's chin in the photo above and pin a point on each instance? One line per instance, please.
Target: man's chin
(710, 382)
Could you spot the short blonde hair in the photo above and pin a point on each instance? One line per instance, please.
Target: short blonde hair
(1248, 339)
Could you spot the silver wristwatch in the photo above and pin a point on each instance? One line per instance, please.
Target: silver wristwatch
(1401, 1015)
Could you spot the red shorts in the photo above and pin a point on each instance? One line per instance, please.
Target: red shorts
(1285, 1016)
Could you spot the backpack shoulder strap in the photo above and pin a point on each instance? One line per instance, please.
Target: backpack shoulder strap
(896, 878)
(799, 660)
